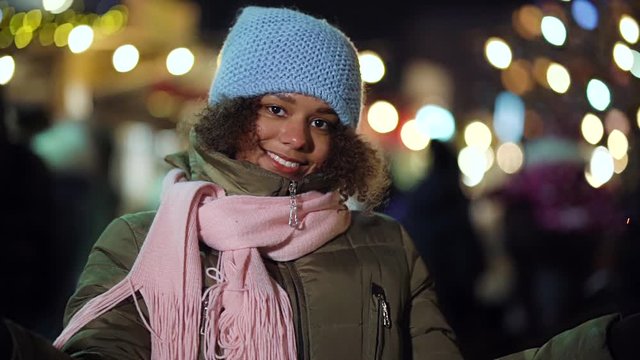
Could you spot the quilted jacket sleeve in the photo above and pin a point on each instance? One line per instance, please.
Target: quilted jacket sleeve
(431, 335)
(586, 341)
(119, 333)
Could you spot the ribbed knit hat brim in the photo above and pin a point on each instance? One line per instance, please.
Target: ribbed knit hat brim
(278, 50)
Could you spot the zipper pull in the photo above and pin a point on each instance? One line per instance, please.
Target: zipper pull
(293, 204)
(378, 292)
(205, 315)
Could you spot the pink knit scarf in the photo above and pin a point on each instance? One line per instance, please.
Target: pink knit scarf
(246, 313)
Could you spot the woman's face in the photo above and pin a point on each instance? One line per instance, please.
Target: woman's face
(294, 135)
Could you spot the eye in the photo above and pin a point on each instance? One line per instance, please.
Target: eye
(322, 124)
(276, 110)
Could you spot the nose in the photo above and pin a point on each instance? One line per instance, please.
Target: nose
(295, 133)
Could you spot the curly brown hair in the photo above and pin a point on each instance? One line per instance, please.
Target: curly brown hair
(354, 167)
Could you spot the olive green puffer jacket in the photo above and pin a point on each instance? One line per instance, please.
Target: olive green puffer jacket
(364, 295)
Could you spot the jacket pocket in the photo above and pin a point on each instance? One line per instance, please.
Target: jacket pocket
(383, 318)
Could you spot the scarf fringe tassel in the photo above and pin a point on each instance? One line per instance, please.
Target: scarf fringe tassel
(233, 333)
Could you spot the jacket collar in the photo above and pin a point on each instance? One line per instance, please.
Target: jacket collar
(238, 177)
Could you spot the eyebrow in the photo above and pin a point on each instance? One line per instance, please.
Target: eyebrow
(290, 99)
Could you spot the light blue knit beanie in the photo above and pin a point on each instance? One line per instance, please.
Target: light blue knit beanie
(277, 50)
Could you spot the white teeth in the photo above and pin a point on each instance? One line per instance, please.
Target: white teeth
(282, 161)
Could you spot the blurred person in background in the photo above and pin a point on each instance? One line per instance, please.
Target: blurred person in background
(78, 153)
(556, 228)
(437, 218)
(252, 253)
(28, 271)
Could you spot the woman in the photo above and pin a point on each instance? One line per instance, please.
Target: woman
(252, 253)
(274, 265)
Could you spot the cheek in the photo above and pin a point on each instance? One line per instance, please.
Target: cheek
(323, 150)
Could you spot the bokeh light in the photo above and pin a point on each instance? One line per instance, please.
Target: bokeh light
(498, 53)
(490, 157)
(161, 104)
(32, 20)
(477, 134)
(180, 61)
(125, 58)
(412, 137)
(592, 129)
(585, 14)
(45, 34)
(635, 69)
(509, 157)
(598, 94)
(629, 30)
(527, 21)
(508, 117)
(616, 119)
(61, 35)
(382, 117)
(436, 122)
(472, 162)
(517, 77)
(617, 144)
(23, 37)
(622, 56)
(112, 21)
(56, 6)
(558, 78)
(371, 66)
(539, 70)
(553, 30)
(600, 167)
(619, 165)
(80, 38)
(7, 69)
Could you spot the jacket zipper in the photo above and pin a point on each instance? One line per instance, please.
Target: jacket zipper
(293, 204)
(204, 314)
(384, 317)
(293, 279)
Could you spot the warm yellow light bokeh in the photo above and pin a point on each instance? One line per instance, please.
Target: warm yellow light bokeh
(412, 137)
(558, 78)
(629, 29)
(510, 157)
(617, 144)
(180, 61)
(80, 39)
(382, 117)
(7, 69)
(61, 35)
(517, 77)
(592, 129)
(498, 53)
(477, 134)
(125, 58)
(622, 56)
(371, 66)
(620, 165)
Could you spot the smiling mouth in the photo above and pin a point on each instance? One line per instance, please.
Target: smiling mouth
(287, 164)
